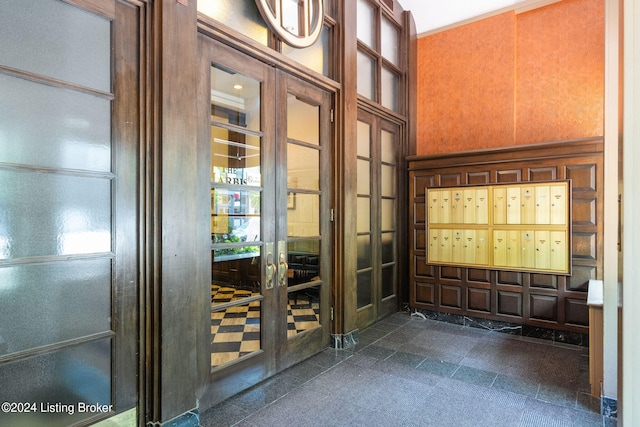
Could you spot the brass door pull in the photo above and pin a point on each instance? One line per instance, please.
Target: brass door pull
(270, 271)
(282, 270)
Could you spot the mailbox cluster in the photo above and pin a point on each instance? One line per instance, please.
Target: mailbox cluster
(504, 226)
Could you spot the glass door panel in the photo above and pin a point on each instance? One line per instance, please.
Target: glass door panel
(377, 218)
(307, 145)
(268, 139)
(303, 215)
(236, 148)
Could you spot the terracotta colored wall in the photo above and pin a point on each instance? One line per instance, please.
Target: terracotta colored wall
(513, 79)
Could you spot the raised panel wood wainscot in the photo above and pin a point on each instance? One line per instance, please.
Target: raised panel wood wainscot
(516, 295)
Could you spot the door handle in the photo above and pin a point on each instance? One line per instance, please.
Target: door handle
(282, 270)
(270, 269)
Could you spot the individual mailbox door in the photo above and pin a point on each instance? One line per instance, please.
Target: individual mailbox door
(469, 249)
(559, 260)
(513, 205)
(457, 246)
(528, 205)
(514, 249)
(543, 250)
(482, 206)
(542, 204)
(500, 248)
(445, 207)
(434, 206)
(434, 245)
(445, 245)
(527, 242)
(500, 205)
(469, 206)
(558, 200)
(482, 247)
(457, 206)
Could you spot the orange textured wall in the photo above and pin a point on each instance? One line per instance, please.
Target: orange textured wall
(466, 85)
(560, 69)
(513, 79)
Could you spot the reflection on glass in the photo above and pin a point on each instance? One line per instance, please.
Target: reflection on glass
(235, 98)
(389, 41)
(237, 268)
(389, 88)
(365, 29)
(303, 121)
(365, 75)
(235, 158)
(235, 174)
(304, 261)
(364, 288)
(235, 216)
(303, 215)
(303, 310)
(241, 15)
(303, 167)
(227, 344)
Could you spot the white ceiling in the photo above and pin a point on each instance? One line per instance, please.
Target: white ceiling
(432, 16)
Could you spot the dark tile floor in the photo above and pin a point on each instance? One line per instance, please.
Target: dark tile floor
(407, 371)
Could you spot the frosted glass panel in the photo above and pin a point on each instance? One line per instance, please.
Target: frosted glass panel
(303, 215)
(364, 177)
(55, 39)
(303, 167)
(387, 147)
(315, 56)
(364, 139)
(51, 214)
(364, 252)
(54, 302)
(388, 181)
(388, 214)
(388, 247)
(303, 121)
(364, 215)
(366, 27)
(388, 280)
(79, 373)
(364, 288)
(389, 41)
(47, 126)
(365, 75)
(240, 15)
(389, 90)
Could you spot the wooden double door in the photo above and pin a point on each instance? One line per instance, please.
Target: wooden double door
(267, 138)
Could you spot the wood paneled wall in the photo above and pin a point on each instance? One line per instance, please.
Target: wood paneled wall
(540, 300)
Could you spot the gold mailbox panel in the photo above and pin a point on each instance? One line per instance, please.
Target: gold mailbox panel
(521, 226)
(500, 205)
(457, 206)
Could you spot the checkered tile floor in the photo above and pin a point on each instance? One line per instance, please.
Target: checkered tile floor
(236, 330)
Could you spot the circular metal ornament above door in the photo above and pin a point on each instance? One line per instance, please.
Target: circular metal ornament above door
(297, 22)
